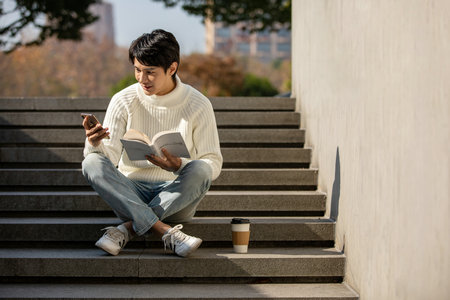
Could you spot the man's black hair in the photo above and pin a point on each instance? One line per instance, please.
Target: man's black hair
(158, 48)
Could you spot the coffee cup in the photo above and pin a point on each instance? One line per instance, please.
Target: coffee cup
(240, 229)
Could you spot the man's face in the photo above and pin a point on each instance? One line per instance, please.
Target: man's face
(154, 80)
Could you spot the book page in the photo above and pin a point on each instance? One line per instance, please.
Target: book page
(133, 134)
(137, 145)
(137, 150)
(172, 142)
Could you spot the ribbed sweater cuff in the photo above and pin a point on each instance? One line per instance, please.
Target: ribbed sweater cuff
(91, 149)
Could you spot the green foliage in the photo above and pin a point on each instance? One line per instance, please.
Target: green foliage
(64, 20)
(276, 64)
(257, 86)
(258, 14)
(123, 83)
(287, 85)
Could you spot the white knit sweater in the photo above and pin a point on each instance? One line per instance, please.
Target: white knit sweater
(184, 109)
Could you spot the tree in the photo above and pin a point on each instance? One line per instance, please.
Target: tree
(212, 75)
(259, 15)
(257, 86)
(65, 19)
(63, 68)
(278, 72)
(123, 83)
(62, 19)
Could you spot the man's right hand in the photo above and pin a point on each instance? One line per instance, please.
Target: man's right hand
(95, 134)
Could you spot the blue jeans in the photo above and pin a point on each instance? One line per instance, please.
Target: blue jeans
(145, 203)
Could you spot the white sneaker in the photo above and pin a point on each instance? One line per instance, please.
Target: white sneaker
(179, 242)
(114, 239)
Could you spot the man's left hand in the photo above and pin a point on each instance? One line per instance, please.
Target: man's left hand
(168, 162)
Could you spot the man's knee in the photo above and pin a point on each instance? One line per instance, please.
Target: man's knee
(200, 171)
(91, 164)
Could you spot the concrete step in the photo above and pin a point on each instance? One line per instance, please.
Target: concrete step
(235, 178)
(210, 229)
(100, 104)
(229, 202)
(272, 137)
(224, 119)
(294, 291)
(204, 263)
(232, 156)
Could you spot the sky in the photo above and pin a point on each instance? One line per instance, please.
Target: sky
(133, 18)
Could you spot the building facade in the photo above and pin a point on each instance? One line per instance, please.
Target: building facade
(234, 40)
(103, 28)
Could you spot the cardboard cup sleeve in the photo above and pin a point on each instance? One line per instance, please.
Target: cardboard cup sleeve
(240, 229)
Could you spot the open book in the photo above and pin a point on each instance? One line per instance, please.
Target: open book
(138, 145)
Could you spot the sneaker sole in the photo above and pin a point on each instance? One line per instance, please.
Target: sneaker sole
(106, 249)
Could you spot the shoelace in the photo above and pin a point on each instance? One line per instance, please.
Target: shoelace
(114, 234)
(172, 236)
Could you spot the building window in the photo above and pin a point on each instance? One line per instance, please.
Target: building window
(223, 32)
(263, 47)
(284, 33)
(243, 47)
(284, 47)
(265, 33)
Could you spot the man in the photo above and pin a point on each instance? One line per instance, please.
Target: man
(146, 195)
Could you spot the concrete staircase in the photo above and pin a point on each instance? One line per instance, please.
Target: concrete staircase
(50, 218)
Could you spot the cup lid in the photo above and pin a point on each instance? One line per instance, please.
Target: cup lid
(240, 221)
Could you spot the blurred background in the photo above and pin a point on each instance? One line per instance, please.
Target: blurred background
(218, 58)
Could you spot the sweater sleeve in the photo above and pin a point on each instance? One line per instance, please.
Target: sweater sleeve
(206, 139)
(116, 121)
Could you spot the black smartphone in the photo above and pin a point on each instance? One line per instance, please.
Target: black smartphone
(92, 120)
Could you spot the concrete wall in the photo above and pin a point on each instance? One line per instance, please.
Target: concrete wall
(372, 79)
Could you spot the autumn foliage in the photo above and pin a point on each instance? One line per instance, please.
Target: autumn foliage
(212, 75)
(92, 69)
(68, 68)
